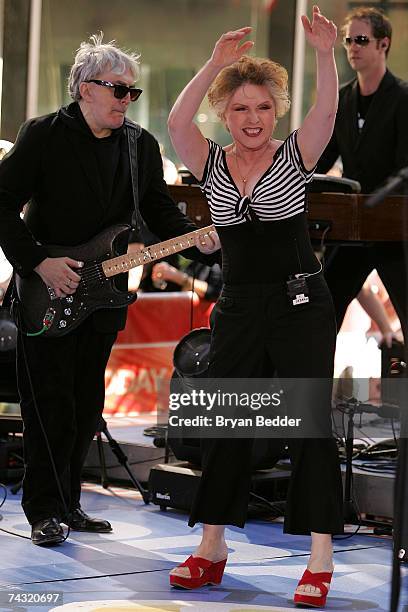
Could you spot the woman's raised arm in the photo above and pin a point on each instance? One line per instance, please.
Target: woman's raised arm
(318, 125)
(187, 139)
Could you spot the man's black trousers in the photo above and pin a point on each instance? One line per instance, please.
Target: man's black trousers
(67, 375)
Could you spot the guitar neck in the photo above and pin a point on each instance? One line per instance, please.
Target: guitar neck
(126, 262)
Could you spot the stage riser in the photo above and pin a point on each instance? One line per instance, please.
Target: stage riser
(141, 459)
(374, 493)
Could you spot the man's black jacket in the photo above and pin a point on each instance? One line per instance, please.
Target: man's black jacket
(53, 166)
(381, 148)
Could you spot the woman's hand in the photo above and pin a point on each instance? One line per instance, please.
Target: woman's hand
(207, 243)
(228, 49)
(321, 34)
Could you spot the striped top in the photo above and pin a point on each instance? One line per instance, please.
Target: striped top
(278, 194)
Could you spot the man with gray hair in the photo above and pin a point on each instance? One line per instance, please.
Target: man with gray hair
(78, 168)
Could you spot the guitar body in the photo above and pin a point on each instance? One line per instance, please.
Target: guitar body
(39, 305)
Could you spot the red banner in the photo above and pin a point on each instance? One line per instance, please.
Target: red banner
(141, 362)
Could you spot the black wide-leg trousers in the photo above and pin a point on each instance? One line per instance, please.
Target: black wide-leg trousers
(67, 375)
(256, 332)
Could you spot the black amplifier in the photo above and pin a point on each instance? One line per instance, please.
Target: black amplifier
(173, 485)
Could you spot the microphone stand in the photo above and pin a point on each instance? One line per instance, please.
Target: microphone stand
(393, 184)
(122, 459)
(400, 179)
(350, 514)
(400, 506)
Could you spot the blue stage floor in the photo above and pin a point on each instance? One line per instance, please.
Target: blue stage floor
(128, 569)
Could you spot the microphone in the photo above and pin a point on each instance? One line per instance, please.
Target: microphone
(392, 184)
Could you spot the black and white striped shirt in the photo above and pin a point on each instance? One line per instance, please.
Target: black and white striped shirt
(278, 194)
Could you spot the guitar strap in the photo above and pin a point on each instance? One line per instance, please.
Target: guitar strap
(133, 132)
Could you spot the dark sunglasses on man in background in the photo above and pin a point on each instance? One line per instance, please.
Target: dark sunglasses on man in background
(361, 40)
(119, 91)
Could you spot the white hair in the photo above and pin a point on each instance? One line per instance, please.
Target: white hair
(94, 57)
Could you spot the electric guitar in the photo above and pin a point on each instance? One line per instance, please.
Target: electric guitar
(43, 312)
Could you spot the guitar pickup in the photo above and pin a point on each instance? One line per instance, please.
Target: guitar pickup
(319, 225)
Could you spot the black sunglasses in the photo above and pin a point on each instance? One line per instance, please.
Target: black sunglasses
(361, 40)
(119, 91)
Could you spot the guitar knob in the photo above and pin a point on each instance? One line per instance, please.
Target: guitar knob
(62, 323)
(67, 311)
(69, 299)
(51, 293)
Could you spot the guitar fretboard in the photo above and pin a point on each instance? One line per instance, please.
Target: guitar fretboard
(123, 263)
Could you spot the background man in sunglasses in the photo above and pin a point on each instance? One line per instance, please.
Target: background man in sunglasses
(74, 167)
(371, 136)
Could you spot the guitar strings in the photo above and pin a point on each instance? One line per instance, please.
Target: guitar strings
(95, 271)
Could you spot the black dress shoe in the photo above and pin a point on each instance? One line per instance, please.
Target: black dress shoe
(77, 520)
(47, 532)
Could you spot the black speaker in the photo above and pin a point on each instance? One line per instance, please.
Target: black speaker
(8, 343)
(191, 360)
(8, 336)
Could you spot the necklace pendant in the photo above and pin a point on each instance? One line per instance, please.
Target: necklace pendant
(244, 180)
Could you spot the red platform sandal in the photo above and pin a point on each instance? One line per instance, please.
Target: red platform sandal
(202, 572)
(317, 580)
